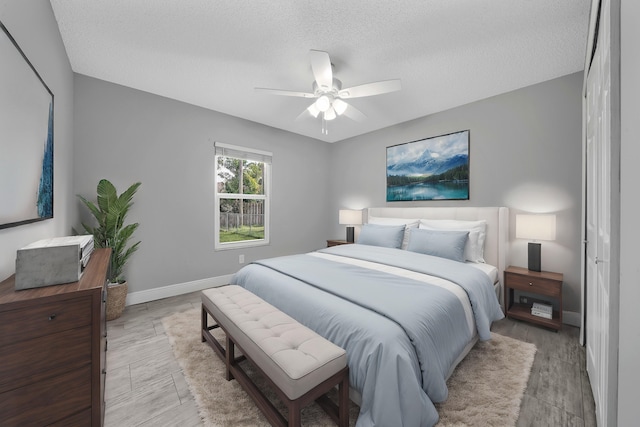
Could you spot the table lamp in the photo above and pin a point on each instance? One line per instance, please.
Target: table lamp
(350, 217)
(535, 227)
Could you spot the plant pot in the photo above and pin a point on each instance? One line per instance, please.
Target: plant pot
(116, 298)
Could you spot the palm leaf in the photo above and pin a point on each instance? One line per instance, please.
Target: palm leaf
(127, 195)
(92, 207)
(106, 195)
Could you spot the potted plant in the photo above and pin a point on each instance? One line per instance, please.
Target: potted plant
(111, 232)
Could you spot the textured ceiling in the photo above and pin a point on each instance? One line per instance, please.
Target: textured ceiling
(213, 53)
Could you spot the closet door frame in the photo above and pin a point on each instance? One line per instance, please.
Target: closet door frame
(601, 254)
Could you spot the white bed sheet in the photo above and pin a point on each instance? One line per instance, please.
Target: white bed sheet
(489, 269)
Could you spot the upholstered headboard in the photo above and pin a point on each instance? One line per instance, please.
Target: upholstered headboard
(497, 240)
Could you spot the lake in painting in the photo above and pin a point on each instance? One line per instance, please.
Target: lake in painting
(429, 191)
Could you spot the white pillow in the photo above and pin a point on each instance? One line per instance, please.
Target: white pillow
(474, 249)
(409, 224)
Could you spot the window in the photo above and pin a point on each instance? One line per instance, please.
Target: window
(242, 196)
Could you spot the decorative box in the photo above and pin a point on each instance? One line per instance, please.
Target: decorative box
(52, 261)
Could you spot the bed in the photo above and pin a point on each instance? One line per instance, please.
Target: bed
(406, 312)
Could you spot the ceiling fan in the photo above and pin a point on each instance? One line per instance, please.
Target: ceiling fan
(328, 92)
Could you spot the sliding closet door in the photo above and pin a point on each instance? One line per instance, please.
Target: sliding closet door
(601, 179)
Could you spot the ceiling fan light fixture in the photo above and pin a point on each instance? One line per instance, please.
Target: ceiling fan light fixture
(339, 106)
(330, 114)
(323, 103)
(313, 110)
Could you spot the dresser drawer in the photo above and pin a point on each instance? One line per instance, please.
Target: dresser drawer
(44, 319)
(44, 357)
(47, 402)
(78, 420)
(533, 284)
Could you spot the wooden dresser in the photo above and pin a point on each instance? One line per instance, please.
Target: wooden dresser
(52, 350)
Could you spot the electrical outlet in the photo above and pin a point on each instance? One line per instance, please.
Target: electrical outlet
(524, 300)
(241, 259)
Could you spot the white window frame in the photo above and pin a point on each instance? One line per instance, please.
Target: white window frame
(242, 153)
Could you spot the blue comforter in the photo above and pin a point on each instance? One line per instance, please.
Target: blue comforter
(402, 335)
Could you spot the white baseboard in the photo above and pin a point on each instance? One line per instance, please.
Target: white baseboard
(571, 318)
(177, 289)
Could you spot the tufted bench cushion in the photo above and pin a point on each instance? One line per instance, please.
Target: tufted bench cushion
(301, 365)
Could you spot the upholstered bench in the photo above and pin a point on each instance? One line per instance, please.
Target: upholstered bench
(300, 365)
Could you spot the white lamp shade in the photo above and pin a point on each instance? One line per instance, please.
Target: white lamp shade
(330, 114)
(349, 217)
(313, 110)
(323, 103)
(536, 227)
(339, 106)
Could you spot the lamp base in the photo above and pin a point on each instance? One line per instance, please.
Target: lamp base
(350, 234)
(534, 256)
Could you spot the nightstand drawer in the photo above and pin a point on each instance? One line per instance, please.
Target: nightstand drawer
(533, 284)
(46, 319)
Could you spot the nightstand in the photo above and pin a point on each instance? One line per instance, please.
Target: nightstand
(337, 242)
(542, 283)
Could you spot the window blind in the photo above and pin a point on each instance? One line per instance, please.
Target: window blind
(242, 153)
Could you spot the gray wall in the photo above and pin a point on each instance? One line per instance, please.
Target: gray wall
(33, 26)
(525, 153)
(127, 135)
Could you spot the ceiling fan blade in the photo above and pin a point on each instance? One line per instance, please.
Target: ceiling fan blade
(284, 92)
(369, 89)
(321, 66)
(353, 113)
(303, 115)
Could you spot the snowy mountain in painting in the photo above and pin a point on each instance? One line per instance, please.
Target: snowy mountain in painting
(427, 164)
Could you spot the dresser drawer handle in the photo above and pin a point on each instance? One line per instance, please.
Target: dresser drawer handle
(52, 317)
(530, 283)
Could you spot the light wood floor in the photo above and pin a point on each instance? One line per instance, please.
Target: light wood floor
(145, 387)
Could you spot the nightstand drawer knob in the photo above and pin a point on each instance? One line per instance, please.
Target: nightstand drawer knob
(530, 283)
(52, 317)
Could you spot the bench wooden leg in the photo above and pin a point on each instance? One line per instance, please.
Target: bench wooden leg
(343, 402)
(204, 324)
(294, 413)
(230, 359)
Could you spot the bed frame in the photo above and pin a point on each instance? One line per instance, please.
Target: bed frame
(496, 246)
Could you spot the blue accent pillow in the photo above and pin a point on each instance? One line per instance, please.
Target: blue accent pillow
(389, 236)
(441, 243)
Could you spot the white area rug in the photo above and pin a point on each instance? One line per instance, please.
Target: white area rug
(485, 390)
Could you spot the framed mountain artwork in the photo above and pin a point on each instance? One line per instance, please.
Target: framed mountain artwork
(435, 168)
(26, 139)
